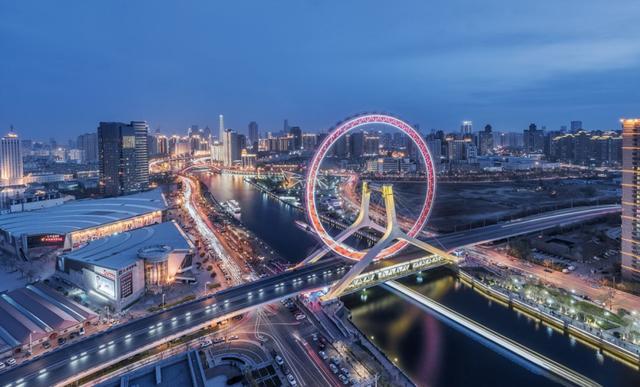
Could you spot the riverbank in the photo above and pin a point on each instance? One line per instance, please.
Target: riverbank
(561, 324)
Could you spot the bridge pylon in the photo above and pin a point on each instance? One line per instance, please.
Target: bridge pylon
(362, 221)
(391, 233)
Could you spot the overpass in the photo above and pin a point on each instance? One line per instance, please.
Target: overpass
(72, 361)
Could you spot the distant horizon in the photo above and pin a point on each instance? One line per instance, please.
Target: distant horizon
(214, 129)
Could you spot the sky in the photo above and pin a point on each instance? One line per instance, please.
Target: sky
(66, 65)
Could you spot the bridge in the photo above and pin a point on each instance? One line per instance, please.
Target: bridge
(75, 360)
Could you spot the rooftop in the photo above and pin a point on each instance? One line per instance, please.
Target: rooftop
(82, 214)
(121, 250)
(36, 310)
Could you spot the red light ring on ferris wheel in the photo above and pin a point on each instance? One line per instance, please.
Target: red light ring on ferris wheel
(314, 168)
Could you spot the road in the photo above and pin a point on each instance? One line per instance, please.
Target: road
(530, 224)
(569, 281)
(123, 339)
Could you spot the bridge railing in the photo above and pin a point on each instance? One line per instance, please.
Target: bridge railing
(401, 269)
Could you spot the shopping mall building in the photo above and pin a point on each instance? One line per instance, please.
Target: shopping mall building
(70, 225)
(122, 267)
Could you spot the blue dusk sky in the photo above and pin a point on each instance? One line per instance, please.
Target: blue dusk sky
(66, 65)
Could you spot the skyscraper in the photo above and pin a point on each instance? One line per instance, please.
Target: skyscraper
(630, 199)
(123, 154)
(88, 142)
(296, 133)
(533, 139)
(576, 126)
(467, 127)
(356, 142)
(254, 134)
(231, 147)
(485, 140)
(221, 128)
(10, 160)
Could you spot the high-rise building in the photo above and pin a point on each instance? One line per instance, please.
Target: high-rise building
(356, 144)
(88, 142)
(631, 200)
(371, 145)
(163, 144)
(341, 147)
(485, 140)
(254, 134)
(152, 145)
(296, 133)
(309, 141)
(221, 128)
(576, 126)
(11, 168)
(533, 139)
(466, 127)
(231, 147)
(123, 154)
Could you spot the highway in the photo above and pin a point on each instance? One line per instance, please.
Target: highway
(534, 223)
(550, 366)
(122, 341)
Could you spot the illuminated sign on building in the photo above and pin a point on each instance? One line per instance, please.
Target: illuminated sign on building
(45, 240)
(106, 286)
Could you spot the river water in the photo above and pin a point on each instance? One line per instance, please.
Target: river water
(430, 351)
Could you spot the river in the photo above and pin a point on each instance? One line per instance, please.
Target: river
(430, 351)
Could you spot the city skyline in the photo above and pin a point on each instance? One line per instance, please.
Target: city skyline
(320, 193)
(550, 72)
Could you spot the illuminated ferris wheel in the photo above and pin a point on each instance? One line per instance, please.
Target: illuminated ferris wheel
(336, 245)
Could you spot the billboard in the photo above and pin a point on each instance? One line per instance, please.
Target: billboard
(54, 240)
(106, 286)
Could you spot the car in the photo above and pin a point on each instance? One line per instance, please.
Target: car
(323, 355)
(81, 332)
(61, 340)
(345, 371)
(335, 360)
(46, 345)
(205, 343)
(2, 365)
(292, 380)
(279, 360)
(11, 361)
(343, 379)
(218, 340)
(333, 368)
(314, 337)
(234, 337)
(300, 316)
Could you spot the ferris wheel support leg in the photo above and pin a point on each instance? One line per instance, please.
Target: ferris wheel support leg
(339, 287)
(363, 220)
